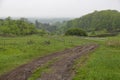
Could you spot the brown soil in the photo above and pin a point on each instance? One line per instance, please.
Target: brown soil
(61, 69)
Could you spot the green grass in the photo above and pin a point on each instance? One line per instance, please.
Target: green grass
(19, 50)
(103, 64)
(37, 73)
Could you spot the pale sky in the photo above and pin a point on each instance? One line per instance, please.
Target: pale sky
(54, 8)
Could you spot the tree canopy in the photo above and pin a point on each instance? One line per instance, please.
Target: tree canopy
(108, 20)
(76, 32)
(16, 27)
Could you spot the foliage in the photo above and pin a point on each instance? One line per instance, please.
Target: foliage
(108, 20)
(16, 27)
(45, 26)
(76, 31)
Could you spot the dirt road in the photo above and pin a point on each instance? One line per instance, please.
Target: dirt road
(61, 69)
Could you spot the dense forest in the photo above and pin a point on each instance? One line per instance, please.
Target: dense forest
(106, 20)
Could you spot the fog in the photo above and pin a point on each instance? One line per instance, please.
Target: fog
(54, 8)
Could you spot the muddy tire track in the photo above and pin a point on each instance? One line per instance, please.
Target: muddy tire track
(25, 71)
(61, 68)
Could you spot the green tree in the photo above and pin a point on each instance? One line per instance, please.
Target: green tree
(97, 21)
(16, 27)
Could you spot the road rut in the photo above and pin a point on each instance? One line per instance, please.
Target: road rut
(61, 69)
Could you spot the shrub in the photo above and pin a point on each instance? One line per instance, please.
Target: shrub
(76, 31)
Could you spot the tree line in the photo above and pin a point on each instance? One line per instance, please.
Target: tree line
(16, 27)
(106, 20)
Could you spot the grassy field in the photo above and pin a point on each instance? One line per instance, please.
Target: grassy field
(19, 50)
(103, 64)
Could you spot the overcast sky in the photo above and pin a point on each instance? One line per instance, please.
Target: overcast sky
(54, 8)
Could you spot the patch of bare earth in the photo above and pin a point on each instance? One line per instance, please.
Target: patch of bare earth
(61, 69)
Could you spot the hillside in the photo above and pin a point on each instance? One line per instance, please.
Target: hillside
(106, 20)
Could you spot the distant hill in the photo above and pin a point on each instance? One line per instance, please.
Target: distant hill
(49, 24)
(49, 20)
(106, 20)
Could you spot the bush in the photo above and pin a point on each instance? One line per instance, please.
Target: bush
(41, 32)
(76, 31)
